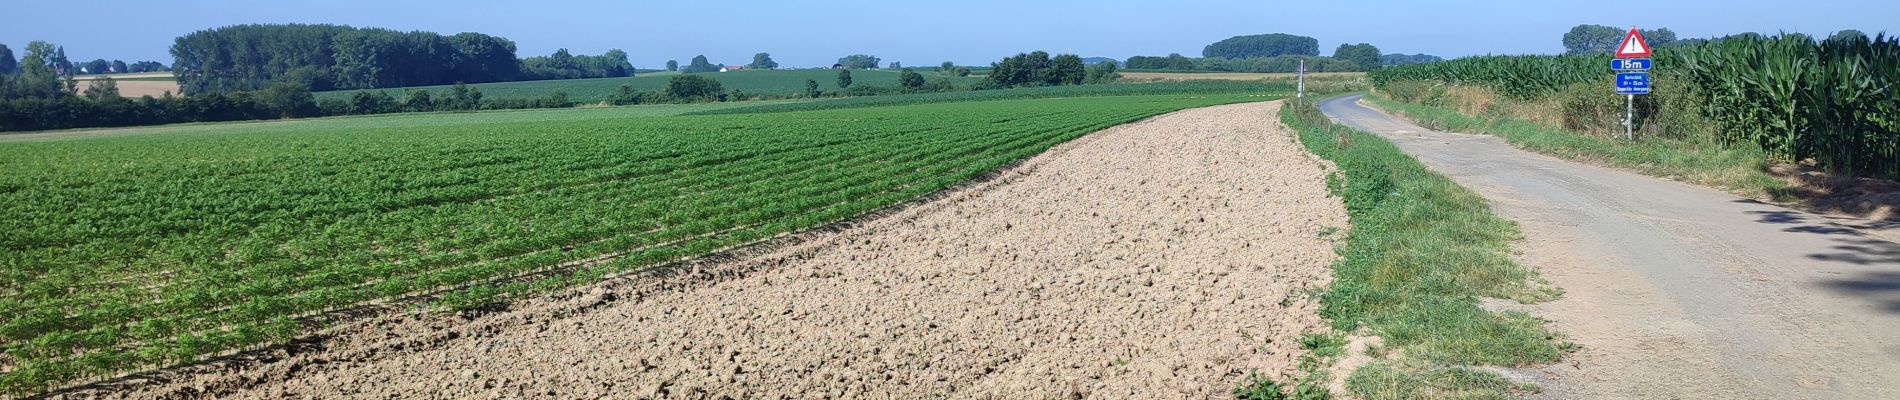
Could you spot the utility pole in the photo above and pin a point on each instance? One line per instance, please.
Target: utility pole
(1302, 79)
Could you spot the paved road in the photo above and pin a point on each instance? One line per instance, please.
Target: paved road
(1679, 291)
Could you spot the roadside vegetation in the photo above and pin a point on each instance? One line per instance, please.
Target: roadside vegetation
(169, 266)
(1421, 252)
(1724, 111)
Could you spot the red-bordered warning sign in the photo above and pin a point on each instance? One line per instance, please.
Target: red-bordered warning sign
(1633, 46)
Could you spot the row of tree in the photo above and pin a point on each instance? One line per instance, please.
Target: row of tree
(1277, 52)
(563, 65)
(1038, 69)
(326, 57)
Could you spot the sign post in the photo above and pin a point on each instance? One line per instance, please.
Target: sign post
(1632, 65)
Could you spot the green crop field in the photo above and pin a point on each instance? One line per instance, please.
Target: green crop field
(763, 82)
(140, 250)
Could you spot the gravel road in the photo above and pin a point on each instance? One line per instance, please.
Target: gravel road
(1679, 291)
(1161, 259)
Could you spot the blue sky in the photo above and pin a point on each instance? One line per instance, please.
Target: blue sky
(808, 33)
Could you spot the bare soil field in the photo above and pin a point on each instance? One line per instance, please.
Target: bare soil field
(1162, 259)
(133, 89)
(1230, 76)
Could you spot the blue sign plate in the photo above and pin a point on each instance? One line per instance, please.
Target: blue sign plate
(1632, 83)
(1629, 64)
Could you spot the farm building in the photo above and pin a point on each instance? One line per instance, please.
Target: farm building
(731, 68)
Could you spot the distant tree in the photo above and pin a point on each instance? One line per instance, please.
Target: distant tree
(962, 71)
(1066, 69)
(1843, 34)
(859, 61)
(418, 101)
(672, 65)
(947, 67)
(119, 66)
(98, 66)
(1592, 39)
(844, 78)
(8, 64)
(1268, 45)
(1403, 59)
(290, 100)
(1655, 38)
(910, 79)
(896, 65)
(461, 97)
(811, 88)
(38, 76)
(700, 64)
(372, 102)
(1102, 73)
(148, 66)
(103, 88)
(694, 87)
(625, 95)
(1363, 55)
(762, 61)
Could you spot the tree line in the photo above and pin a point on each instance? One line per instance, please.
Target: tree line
(330, 57)
(1277, 52)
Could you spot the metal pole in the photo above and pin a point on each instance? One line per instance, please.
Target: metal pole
(1302, 75)
(1629, 118)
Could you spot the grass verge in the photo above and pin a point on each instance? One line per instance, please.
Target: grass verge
(1421, 252)
(1741, 170)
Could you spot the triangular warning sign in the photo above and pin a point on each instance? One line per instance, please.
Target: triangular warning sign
(1633, 46)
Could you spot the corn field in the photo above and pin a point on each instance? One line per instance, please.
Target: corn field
(1831, 101)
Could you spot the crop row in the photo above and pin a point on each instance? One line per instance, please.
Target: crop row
(139, 251)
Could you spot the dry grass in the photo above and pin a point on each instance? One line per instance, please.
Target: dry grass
(130, 88)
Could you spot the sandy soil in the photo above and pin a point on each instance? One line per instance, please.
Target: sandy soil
(1232, 76)
(1161, 259)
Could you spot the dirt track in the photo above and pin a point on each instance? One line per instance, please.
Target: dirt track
(1161, 259)
(1679, 291)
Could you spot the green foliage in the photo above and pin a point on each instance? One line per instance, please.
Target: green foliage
(1268, 45)
(762, 61)
(1587, 39)
(416, 101)
(1405, 59)
(946, 67)
(1276, 64)
(10, 65)
(781, 83)
(562, 65)
(290, 100)
(672, 65)
(1194, 88)
(102, 88)
(484, 212)
(1829, 101)
(1363, 56)
(693, 87)
(1037, 69)
(700, 65)
(39, 76)
(250, 57)
(372, 103)
(910, 79)
(1102, 73)
(1257, 387)
(811, 88)
(859, 61)
(1421, 252)
(844, 78)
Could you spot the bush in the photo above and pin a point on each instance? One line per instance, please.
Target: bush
(694, 88)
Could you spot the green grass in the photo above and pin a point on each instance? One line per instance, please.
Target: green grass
(195, 243)
(1183, 88)
(1739, 169)
(759, 82)
(402, 120)
(1421, 252)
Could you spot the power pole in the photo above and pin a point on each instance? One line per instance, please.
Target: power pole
(1302, 79)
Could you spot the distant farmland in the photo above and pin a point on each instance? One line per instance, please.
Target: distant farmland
(763, 82)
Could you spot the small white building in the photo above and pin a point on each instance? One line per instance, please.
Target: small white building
(730, 68)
